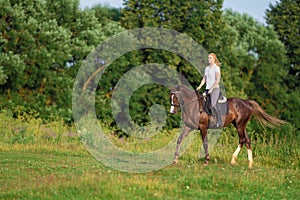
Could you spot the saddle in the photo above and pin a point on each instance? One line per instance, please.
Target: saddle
(222, 104)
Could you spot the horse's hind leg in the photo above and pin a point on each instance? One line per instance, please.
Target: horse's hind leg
(250, 158)
(235, 154)
(249, 150)
(185, 131)
(244, 139)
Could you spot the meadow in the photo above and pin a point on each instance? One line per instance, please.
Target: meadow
(48, 161)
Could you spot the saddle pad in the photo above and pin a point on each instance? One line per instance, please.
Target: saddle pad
(223, 107)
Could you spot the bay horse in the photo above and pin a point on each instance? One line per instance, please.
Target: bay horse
(239, 113)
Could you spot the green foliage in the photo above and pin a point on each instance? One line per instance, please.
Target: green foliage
(106, 15)
(254, 53)
(284, 17)
(37, 44)
(26, 127)
(200, 20)
(42, 45)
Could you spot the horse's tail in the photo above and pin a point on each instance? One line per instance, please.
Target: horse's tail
(264, 118)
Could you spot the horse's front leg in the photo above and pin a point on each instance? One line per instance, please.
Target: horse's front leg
(185, 131)
(205, 145)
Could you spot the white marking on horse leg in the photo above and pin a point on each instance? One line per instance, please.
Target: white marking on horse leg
(250, 158)
(235, 154)
(172, 102)
(237, 151)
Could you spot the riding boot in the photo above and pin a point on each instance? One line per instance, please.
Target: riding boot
(217, 114)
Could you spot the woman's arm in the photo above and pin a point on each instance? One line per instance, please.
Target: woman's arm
(216, 82)
(202, 83)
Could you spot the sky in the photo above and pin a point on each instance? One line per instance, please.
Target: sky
(254, 8)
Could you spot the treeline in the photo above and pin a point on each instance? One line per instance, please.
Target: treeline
(43, 43)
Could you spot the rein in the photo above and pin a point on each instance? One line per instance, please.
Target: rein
(182, 105)
(190, 103)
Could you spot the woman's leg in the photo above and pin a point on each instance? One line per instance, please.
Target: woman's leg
(214, 98)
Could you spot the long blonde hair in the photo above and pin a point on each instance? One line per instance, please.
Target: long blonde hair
(216, 59)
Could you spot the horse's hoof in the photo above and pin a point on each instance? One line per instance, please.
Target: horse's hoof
(175, 162)
(205, 163)
(250, 164)
(233, 160)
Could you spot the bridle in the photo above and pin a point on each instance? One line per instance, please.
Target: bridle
(181, 102)
(173, 94)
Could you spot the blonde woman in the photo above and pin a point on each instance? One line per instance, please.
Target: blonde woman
(212, 78)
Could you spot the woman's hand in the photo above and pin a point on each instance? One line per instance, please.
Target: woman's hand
(198, 88)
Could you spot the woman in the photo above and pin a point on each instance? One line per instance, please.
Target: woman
(212, 78)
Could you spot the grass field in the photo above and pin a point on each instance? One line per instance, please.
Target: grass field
(39, 172)
(71, 173)
(51, 163)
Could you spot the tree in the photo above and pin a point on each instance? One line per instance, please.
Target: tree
(30, 40)
(33, 50)
(255, 53)
(284, 17)
(107, 14)
(200, 20)
(42, 44)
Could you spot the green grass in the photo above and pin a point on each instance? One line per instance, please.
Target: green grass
(40, 161)
(64, 172)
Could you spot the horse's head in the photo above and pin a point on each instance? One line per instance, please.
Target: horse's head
(174, 100)
(184, 97)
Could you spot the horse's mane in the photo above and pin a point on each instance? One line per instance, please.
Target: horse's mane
(189, 93)
(184, 87)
